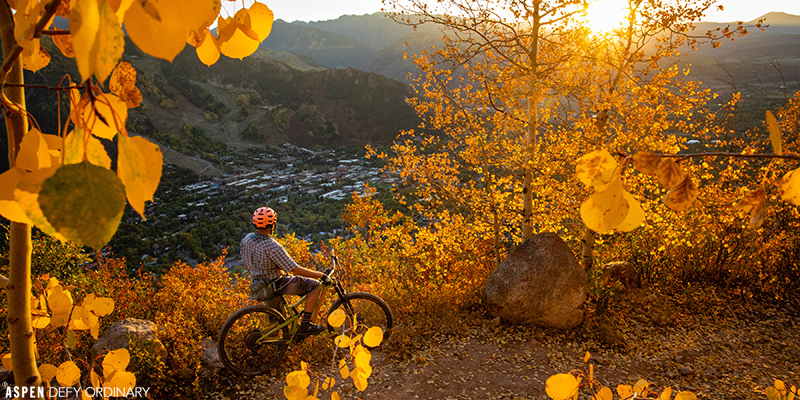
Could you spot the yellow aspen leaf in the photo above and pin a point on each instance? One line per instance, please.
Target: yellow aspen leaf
(195, 38)
(84, 203)
(298, 378)
(77, 322)
(359, 379)
(139, 167)
(106, 118)
(604, 210)
(97, 38)
(373, 337)
(261, 19)
(343, 341)
(669, 174)
(624, 391)
(33, 152)
(94, 377)
(603, 394)
(54, 143)
(751, 200)
(337, 317)
(147, 30)
(316, 391)
(685, 395)
(68, 374)
(121, 381)
(335, 396)
(60, 301)
(596, 169)
(586, 357)
(88, 317)
(237, 40)
(775, 135)
(123, 84)
(772, 393)
(100, 306)
(329, 383)
(36, 60)
(40, 319)
(640, 387)
(681, 197)
(781, 386)
(115, 361)
(646, 162)
(758, 215)
(48, 372)
(789, 187)
(25, 20)
(95, 330)
(344, 370)
(303, 366)
(295, 392)
(635, 216)
(85, 396)
(120, 7)
(665, 394)
(208, 52)
(7, 361)
(362, 359)
(561, 386)
(194, 15)
(9, 208)
(80, 148)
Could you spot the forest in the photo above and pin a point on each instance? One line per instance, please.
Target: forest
(541, 164)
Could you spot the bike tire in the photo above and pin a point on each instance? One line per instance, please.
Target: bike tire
(238, 340)
(369, 310)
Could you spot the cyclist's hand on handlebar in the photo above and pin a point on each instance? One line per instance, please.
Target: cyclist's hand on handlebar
(325, 279)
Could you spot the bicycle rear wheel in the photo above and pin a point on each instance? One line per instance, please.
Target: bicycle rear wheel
(367, 310)
(244, 345)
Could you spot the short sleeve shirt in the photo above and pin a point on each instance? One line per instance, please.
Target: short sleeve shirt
(264, 257)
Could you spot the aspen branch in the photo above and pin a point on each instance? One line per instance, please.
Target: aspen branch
(793, 157)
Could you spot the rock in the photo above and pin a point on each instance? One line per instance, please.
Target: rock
(185, 374)
(210, 354)
(686, 371)
(495, 322)
(679, 359)
(623, 272)
(540, 283)
(6, 377)
(128, 331)
(672, 374)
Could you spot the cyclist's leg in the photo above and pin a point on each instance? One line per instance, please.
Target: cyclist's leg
(298, 285)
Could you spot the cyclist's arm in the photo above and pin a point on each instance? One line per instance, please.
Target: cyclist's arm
(308, 273)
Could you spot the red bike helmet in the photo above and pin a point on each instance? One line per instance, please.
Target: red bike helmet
(264, 217)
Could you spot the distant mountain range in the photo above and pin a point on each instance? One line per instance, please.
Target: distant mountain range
(375, 43)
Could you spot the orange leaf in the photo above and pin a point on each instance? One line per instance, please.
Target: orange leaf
(123, 84)
(681, 197)
(669, 174)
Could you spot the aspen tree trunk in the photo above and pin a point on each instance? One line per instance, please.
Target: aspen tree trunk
(530, 135)
(18, 288)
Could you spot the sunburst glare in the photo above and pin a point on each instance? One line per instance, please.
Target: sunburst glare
(604, 15)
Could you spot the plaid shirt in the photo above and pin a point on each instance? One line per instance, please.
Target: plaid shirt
(264, 257)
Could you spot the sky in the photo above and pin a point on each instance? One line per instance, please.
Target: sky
(320, 10)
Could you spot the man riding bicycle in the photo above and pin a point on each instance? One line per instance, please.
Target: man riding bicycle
(267, 261)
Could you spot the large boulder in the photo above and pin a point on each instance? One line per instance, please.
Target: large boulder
(539, 283)
(130, 331)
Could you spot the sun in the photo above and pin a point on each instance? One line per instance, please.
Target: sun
(605, 15)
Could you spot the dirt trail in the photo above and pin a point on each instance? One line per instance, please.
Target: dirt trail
(733, 355)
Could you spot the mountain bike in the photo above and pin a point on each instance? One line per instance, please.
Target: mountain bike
(254, 338)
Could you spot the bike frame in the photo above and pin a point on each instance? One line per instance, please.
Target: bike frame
(292, 315)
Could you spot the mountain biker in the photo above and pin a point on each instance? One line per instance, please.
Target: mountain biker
(267, 261)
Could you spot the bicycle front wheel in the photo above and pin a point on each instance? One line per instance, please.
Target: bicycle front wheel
(250, 341)
(367, 310)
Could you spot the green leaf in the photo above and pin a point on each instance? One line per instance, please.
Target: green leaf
(84, 203)
(72, 340)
